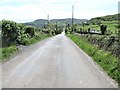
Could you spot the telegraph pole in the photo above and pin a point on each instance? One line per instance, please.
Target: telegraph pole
(72, 16)
(56, 26)
(48, 21)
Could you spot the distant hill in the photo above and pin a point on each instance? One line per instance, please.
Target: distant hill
(60, 22)
(106, 18)
(37, 23)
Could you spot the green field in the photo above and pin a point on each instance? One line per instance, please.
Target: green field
(111, 26)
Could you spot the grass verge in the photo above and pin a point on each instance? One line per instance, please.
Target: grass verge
(6, 52)
(35, 39)
(106, 60)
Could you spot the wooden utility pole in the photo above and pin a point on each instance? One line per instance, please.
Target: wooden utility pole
(56, 26)
(72, 16)
(48, 20)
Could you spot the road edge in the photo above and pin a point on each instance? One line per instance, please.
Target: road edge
(112, 81)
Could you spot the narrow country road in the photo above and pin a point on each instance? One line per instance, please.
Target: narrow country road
(55, 62)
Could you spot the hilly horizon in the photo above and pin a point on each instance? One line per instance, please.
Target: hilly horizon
(60, 22)
(106, 17)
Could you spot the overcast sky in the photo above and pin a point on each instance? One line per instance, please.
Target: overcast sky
(29, 10)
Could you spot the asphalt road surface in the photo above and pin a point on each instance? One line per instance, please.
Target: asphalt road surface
(55, 62)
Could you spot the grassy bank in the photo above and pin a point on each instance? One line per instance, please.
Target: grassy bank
(105, 42)
(35, 39)
(106, 60)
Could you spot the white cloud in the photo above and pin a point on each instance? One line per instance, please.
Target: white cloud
(24, 12)
(15, 1)
(34, 9)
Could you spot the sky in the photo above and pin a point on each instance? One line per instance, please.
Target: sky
(30, 10)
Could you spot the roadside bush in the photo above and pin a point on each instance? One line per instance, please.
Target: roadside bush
(9, 32)
(103, 29)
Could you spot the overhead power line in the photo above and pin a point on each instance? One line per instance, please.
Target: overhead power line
(48, 20)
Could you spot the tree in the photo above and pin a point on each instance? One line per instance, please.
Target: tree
(30, 30)
(103, 29)
(9, 32)
(21, 33)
